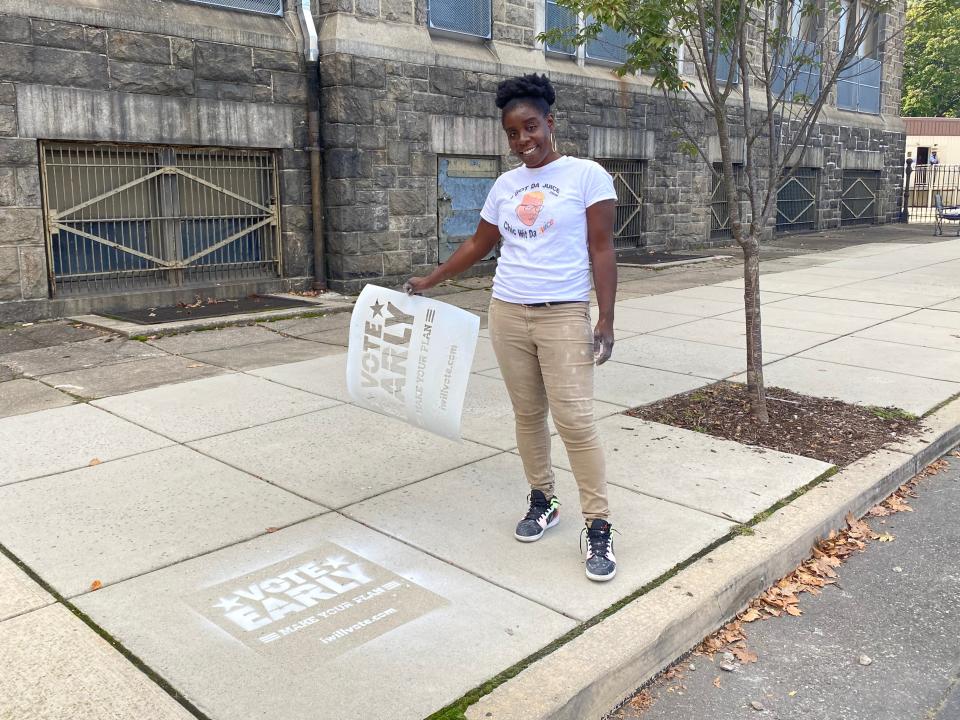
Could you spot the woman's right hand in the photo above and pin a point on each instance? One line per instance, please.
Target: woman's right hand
(416, 285)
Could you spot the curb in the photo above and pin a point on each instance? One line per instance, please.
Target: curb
(596, 671)
(331, 303)
(674, 263)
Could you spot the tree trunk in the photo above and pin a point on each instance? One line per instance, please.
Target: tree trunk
(751, 305)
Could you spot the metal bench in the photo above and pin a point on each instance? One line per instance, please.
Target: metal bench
(949, 213)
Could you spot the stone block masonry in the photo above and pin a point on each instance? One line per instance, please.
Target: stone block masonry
(395, 99)
(398, 97)
(387, 123)
(200, 76)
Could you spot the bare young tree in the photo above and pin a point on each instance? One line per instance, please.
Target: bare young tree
(761, 71)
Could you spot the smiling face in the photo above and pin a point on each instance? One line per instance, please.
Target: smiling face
(528, 132)
(529, 208)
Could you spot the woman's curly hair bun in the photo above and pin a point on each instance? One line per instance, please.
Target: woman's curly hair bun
(537, 88)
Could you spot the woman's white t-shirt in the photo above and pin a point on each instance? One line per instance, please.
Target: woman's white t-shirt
(542, 218)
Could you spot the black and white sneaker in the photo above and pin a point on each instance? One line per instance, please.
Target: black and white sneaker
(601, 565)
(543, 513)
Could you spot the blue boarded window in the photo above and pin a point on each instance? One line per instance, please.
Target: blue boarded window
(267, 7)
(464, 17)
(609, 46)
(858, 87)
(796, 64)
(722, 69)
(797, 70)
(561, 18)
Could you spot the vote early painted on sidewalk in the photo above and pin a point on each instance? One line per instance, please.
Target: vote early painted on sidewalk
(322, 602)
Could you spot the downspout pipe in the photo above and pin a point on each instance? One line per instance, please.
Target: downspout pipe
(311, 54)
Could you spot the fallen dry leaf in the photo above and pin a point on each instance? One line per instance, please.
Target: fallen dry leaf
(642, 701)
(272, 529)
(96, 585)
(95, 461)
(195, 365)
(897, 504)
(816, 572)
(934, 468)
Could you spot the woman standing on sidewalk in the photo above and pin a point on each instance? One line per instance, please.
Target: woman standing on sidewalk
(555, 215)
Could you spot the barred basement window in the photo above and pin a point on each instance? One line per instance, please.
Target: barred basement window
(859, 204)
(797, 202)
(628, 181)
(267, 7)
(719, 207)
(125, 218)
(463, 17)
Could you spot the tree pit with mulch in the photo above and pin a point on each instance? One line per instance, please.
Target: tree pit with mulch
(829, 430)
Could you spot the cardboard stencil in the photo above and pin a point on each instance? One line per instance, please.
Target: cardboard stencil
(410, 357)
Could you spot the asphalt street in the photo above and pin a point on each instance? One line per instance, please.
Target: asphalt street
(897, 603)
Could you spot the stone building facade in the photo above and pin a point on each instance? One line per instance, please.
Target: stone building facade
(128, 79)
(399, 98)
(410, 137)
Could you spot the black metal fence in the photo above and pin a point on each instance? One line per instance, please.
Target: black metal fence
(928, 181)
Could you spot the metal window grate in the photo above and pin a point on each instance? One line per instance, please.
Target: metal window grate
(266, 7)
(561, 18)
(797, 202)
(859, 201)
(124, 218)
(465, 17)
(628, 182)
(609, 46)
(719, 207)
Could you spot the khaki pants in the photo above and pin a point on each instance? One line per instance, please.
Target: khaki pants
(546, 358)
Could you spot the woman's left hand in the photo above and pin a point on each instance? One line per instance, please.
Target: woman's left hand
(602, 342)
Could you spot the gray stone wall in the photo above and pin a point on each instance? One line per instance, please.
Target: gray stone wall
(22, 253)
(396, 97)
(380, 134)
(64, 78)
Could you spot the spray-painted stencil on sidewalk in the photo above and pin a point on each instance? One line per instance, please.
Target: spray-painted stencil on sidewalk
(410, 357)
(318, 604)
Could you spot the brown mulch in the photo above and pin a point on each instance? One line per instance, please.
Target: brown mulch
(829, 430)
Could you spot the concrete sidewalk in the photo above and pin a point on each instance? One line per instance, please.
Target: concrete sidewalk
(267, 549)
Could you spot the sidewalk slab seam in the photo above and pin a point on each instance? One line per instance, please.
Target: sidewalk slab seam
(499, 626)
(640, 639)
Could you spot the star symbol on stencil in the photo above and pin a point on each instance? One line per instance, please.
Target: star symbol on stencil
(228, 604)
(335, 562)
(377, 308)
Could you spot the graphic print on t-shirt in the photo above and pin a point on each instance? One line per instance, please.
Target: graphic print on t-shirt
(533, 200)
(530, 207)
